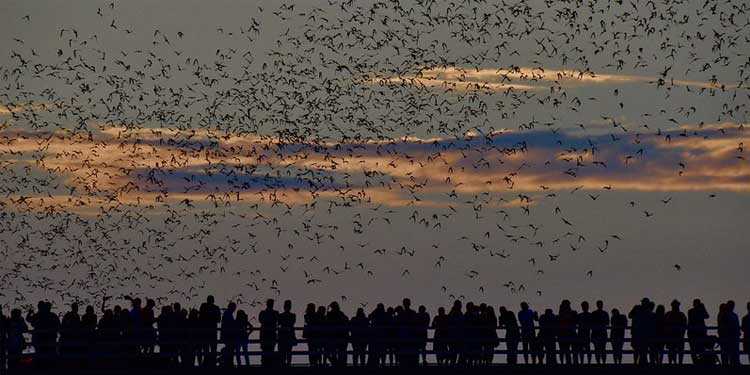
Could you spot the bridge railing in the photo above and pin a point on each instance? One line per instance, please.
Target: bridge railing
(130, 344)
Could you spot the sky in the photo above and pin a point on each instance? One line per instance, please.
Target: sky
(365, 152)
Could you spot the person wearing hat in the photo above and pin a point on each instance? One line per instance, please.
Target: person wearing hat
(676, 326)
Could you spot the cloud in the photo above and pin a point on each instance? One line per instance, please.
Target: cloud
(160, 167)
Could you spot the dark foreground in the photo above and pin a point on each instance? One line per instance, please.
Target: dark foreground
(422, 370)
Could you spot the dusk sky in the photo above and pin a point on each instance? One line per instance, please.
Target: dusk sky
(361, 153)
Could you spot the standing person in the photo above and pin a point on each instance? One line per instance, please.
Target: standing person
(440, 336)
(269, 320)
(166, 339)
(567, 319)
(617, 335)
(88, 328)
(676, 323)
(194, 338)
(15, 328)
(455, 339)
(599, 323)
(377, 347)
(229, 335)
(526, 318)
(46, 327)
(338, 324)
(697, 331)
(308, 333)
(729, 335)
(360, 329)
(548, 330)
(638, 331)
(210, 317)
(659, 335)
(321, 335)
(70, 334)
(492, 340)
(148, 318)
(287, 336)
(507, 320)
(582, 345)
(243, 330)
(423, 324)
(746, 332)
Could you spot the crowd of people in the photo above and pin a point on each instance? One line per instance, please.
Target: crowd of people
(466, 335)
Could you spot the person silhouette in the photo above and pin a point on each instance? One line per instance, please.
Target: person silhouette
(14, 328)
(676, 323)
(228, 335)
(619, 323)
(309, 334)
(697, 331)
(567, 320)
(526, 318)
(599, 324)
(148, 318)
(391, 335)
(409, 329)
(660, 333)
(455, 340)
(548, 331)
(440, 336)
(210, 317)
(639, 331)
(88, 332)
(243, 328)
(166, 339)
(269, 320)
(377, 345)
(490, 323)
(360, 329)
(194, 341)
(287, 336)
(44, 339)
(746, 332)
(337, 323)
(507, 321)
(582, 346)
(729, 334)
(70, 334)
(423, 323)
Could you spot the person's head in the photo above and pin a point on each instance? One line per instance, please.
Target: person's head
(231, 307)
(399, 310)
(241, 316)
(210, 300)
(176, 307)
(457, 305)
(406, 303)
(524, 306)
(287, 306)
(730, 305)
(321, 310)
(15, 314)
(166, 310)
(380, 307)
(600, 305)
(675, 305)
(150, 303)
(585, 306)
(645, 302)
(547, 311)
(422, 309)
(89, 310)
(660, 310)
(502, 310)
(269, 303)
(360, 312)
(697, 303)
(74, 307)
(441, 310)
(334, 306)
(310, 308)
(615, 312)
